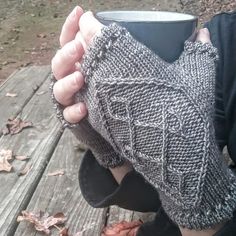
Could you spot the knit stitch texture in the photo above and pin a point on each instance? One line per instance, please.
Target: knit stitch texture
(159, 116)
(87, 135)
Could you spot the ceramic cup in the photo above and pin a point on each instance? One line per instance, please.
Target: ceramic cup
(161, 31)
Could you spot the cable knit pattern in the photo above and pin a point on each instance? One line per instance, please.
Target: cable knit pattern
(160, 117)
(85, 133)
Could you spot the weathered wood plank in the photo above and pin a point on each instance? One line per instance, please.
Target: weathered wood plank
(62, 194)
(117, 214)
(23, 83)
(38, 143)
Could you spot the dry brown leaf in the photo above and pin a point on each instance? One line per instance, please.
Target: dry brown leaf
(123, 228)
(21, 158)
(42, 221)
(57, 172)
(14, 126)
(25, 170)
(5, 156)
(12, 95)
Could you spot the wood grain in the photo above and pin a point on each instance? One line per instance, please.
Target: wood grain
(62, 194)
(49, 150)
(24, 83)
(37, 143)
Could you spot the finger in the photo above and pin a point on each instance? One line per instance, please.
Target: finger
(89, 26)
(63, 63)
(80, 38)
(71, 26)
(203, 36)
(65, 88)
(75, 113)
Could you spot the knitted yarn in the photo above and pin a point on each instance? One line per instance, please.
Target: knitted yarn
(159, 116)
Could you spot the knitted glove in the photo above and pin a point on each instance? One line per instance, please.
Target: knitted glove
(84, 132)
(160, 117)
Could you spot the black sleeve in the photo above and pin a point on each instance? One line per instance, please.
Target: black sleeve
(222, 28)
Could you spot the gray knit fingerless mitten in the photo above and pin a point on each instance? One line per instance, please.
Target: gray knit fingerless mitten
(84, 132)
(160, 117)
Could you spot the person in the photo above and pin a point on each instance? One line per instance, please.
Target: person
(125, 179)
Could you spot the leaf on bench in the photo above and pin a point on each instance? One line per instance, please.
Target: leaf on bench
(15, 126)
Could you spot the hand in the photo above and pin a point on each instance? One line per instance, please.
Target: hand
(77, 33)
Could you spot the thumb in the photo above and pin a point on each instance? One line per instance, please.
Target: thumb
(203, 36)
(202, 47)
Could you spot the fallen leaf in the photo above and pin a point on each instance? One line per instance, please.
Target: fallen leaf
(5, 156)
(64, 232)
(15, 126)
(25, 170)
(123, 228)
(21, 158)
(42, 221)
(11, 95)
(41, 35)
(57, 172)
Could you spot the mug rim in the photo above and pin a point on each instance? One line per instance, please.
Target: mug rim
(107, 15)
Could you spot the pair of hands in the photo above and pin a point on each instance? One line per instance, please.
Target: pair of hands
(77, 33)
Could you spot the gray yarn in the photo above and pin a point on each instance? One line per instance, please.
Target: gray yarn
(159, 116)
(85, 133)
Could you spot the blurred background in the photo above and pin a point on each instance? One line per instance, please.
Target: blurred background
(29, 29)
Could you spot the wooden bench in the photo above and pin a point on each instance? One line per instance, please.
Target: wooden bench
(49, 149)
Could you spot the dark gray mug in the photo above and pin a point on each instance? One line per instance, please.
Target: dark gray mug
(162, 32)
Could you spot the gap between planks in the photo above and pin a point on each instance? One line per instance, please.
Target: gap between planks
(25, 83)
(38, 143)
